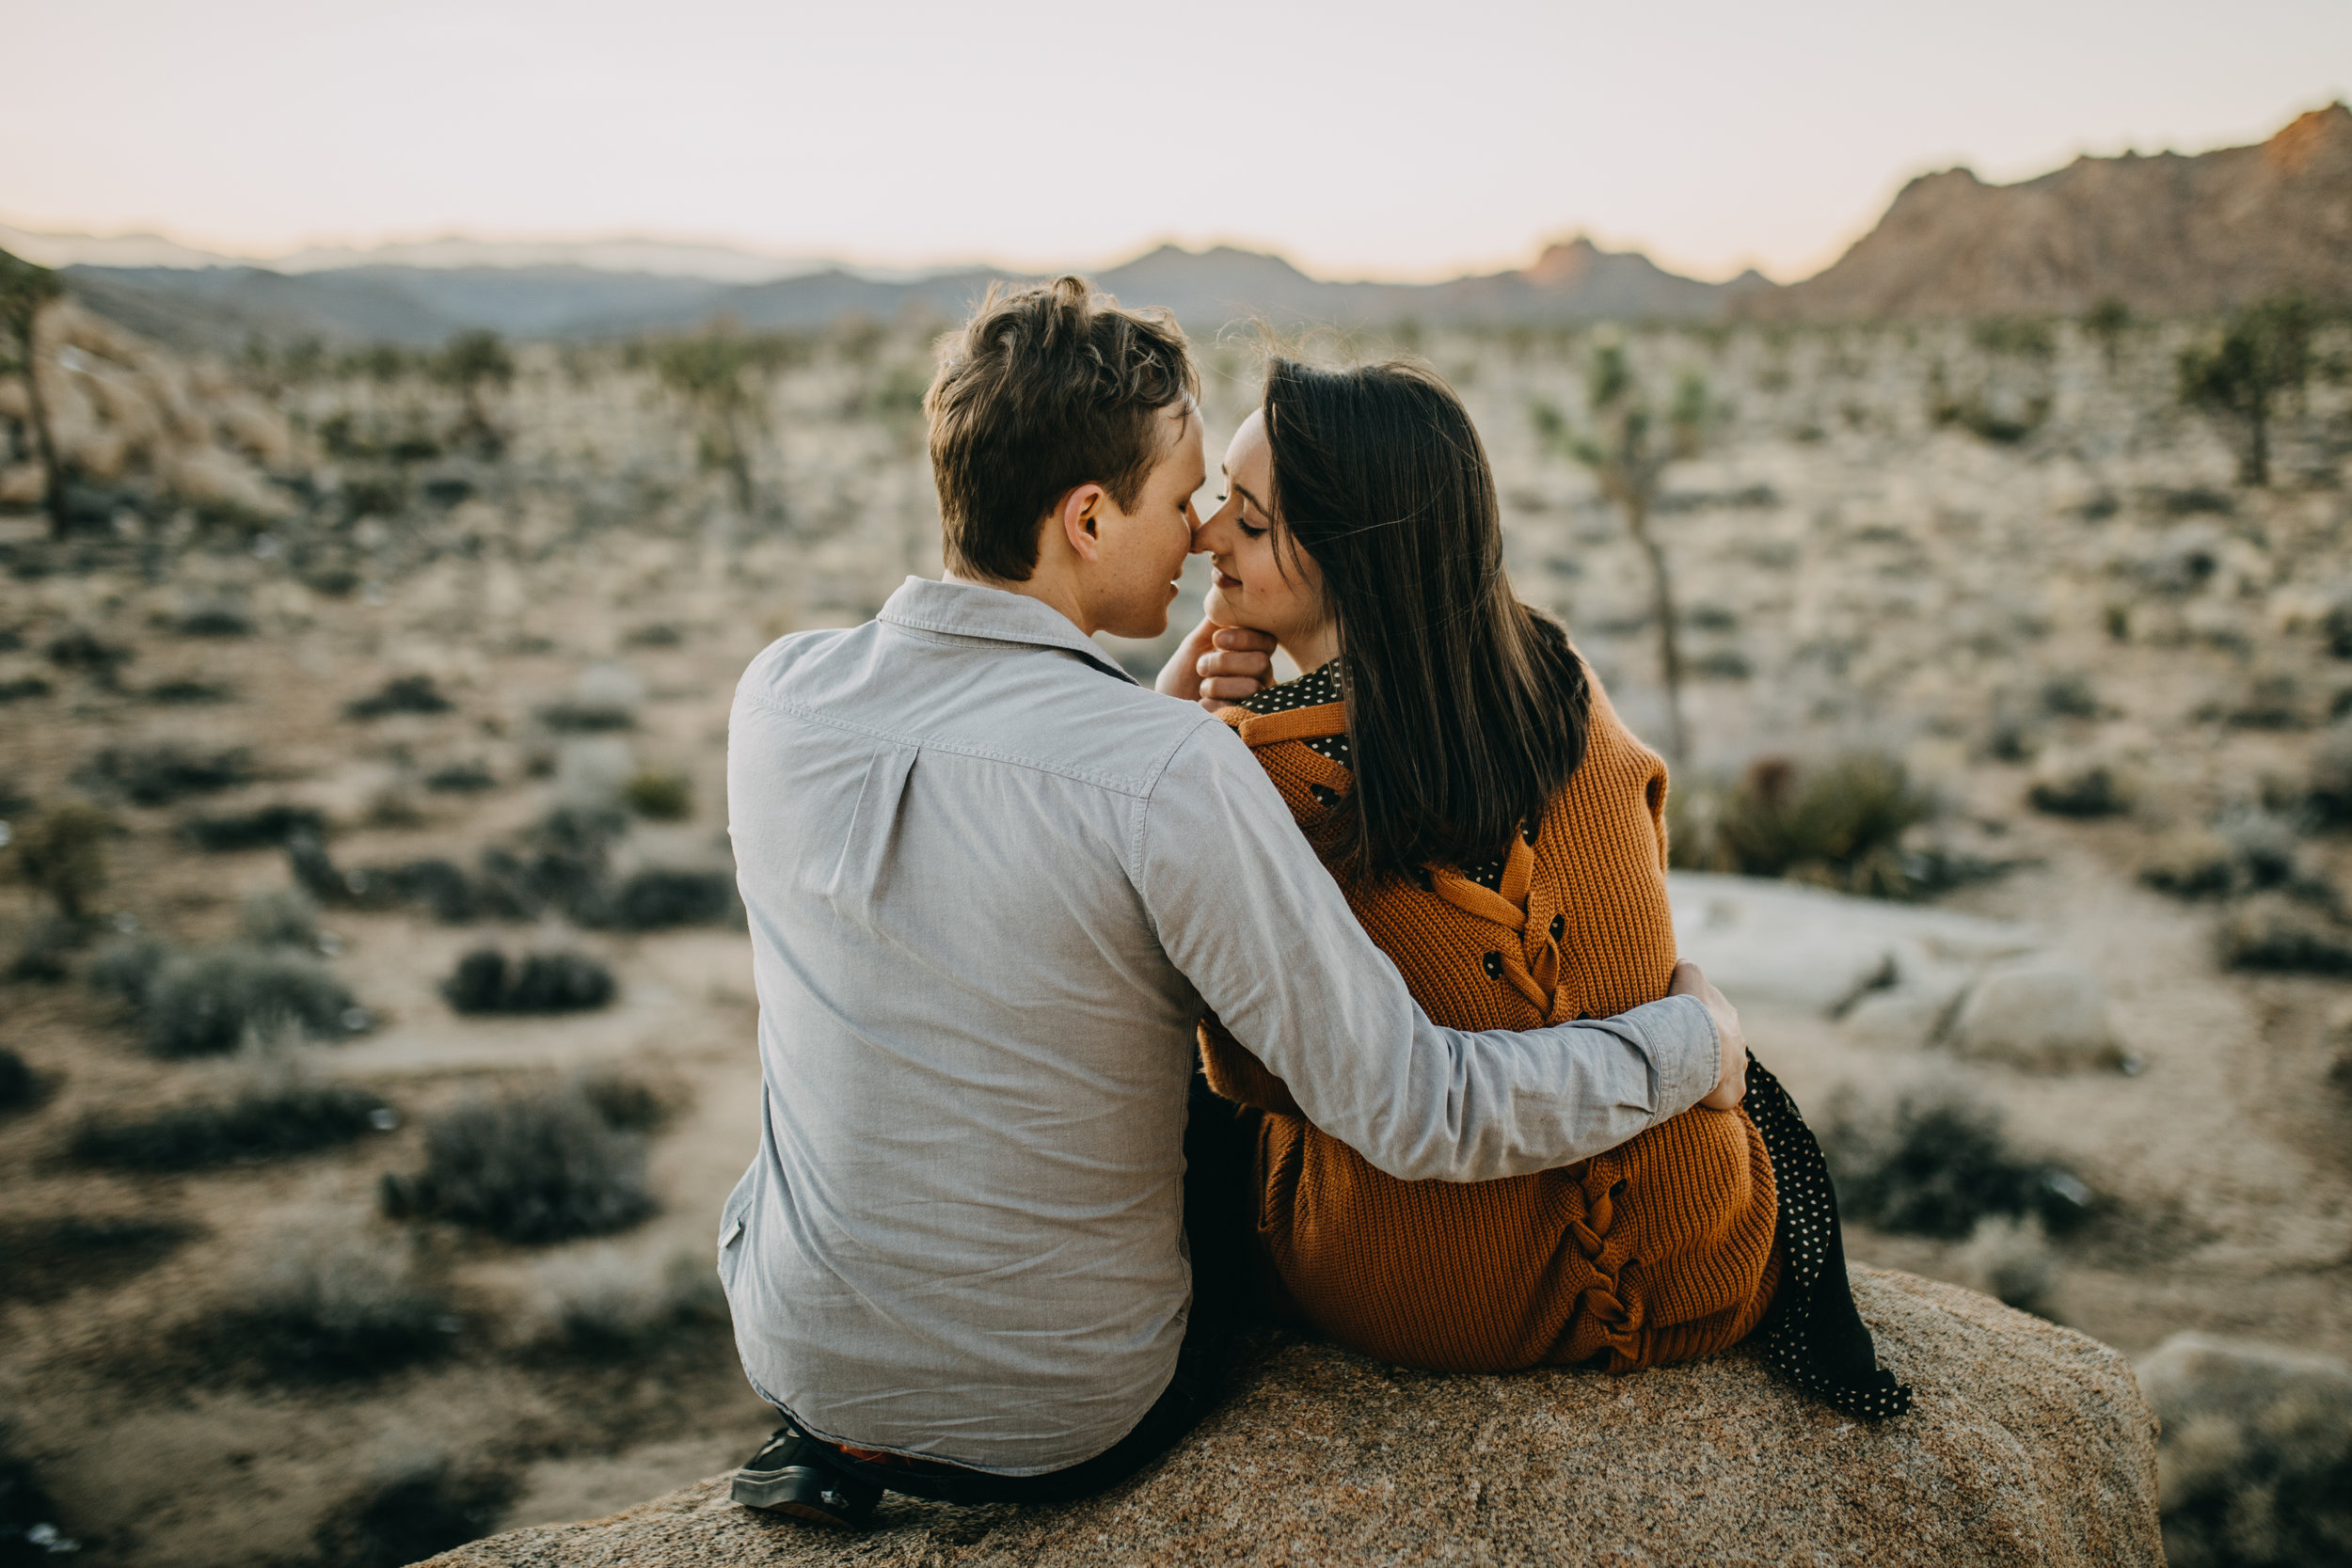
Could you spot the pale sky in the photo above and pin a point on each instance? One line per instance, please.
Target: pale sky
(1368, 138)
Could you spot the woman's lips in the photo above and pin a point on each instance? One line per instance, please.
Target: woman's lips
(1225, 579)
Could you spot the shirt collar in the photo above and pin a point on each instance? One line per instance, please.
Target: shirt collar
(991, 614)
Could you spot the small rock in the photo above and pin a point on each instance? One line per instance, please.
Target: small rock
(2045, 1013)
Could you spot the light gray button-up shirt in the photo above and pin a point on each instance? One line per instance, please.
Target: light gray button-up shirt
(991, 884)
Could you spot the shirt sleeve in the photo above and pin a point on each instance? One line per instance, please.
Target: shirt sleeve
(1246, 913)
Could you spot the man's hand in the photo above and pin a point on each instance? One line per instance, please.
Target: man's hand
(1731, 1078)
(1218, 666)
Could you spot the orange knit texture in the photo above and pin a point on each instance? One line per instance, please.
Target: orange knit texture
(1661, 1250)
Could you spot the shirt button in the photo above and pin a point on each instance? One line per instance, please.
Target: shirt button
(1559, 925)
(1494, 966)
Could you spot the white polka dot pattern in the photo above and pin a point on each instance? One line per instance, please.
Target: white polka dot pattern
(1813, 1336)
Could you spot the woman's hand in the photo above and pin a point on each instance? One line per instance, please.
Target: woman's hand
(1731, 1077)
(1218, 666)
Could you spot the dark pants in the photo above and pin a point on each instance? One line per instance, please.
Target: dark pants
(1220, 1204)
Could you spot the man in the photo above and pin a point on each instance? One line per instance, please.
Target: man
(993, 884)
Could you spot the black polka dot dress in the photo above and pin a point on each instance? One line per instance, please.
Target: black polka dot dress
(1813, 1336)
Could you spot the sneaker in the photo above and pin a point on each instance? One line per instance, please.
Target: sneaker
(797, 1475)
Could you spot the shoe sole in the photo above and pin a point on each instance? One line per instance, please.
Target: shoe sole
(799, 1492)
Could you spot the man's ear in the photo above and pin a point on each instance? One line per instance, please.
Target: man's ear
(1081, 518)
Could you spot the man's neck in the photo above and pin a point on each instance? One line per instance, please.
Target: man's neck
(1055, 593)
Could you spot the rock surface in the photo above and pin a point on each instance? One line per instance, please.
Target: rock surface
(2040, 1012)
(2028, 1444)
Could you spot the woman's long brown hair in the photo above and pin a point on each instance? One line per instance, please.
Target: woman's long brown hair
(1466, 709)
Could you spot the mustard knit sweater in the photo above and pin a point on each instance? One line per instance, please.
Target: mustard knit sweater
(1660, 1250)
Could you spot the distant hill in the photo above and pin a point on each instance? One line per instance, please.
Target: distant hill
(221, 308)
(2168, 235)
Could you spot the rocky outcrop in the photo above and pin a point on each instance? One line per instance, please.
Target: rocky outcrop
(1895, 976)
(2028, 1444)
(2166, 235)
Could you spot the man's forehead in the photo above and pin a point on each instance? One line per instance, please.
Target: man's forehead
(1185, 438)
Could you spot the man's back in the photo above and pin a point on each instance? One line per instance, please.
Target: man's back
(964, 1014)
(991, 884)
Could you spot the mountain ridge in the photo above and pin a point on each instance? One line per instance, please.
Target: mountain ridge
(2167, 234)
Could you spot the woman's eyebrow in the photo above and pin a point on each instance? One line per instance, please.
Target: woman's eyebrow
(1250, 498)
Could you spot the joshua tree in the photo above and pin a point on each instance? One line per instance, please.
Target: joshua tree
(2107, 321)
(63, 854)
(1628, 453)
(470, 362)
(25, 289)
(2266, 352)
(714, 376)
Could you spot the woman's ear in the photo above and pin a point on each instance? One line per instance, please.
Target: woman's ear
(1081, 518)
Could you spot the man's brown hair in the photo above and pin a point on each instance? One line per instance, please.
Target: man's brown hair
(1045, 388)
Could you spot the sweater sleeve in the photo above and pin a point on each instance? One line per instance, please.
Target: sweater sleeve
(1246, 913)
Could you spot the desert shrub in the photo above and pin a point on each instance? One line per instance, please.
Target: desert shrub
(42, 1259)
(439, 885)
(264, 827)
(610, 1307)
(2335, 629)
(461, 778)
(276, 1113)
(1838, 825)
(159, 774)
(606, 697)
(2094, 789)
(659, 795)
(660, 634)
(284, 917)
(29, 1532)
(2279, 933)
(485, 981)
(2251, 852)
(400, 694)
(203, 1003)
(85, 650)
(1940, 1166)
(626, 1102)
(122, 969)
(2009, 1259)
(331, 1307)
(63, 853)
(47, 952)
(2254, 1460)
(414, 1514)
(23, 687)
(2331, 776)
(660, 896)
(215, 618)
(18, 1086)
(187, 693)
(2194, 864)
(538, 1165)
(2069, 696)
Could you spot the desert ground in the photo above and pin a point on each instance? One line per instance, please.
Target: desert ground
(493, 625)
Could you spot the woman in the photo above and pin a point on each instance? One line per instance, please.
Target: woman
(1501, 835)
